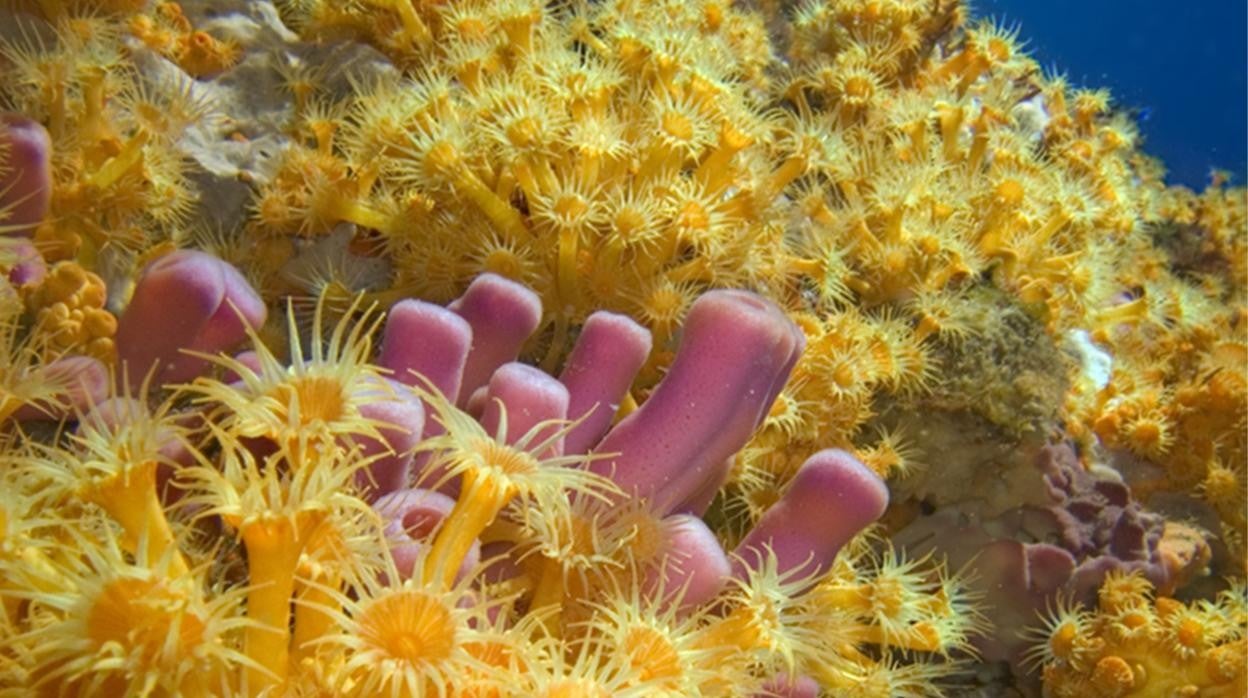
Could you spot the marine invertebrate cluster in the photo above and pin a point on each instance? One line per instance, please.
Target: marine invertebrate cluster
(511, 551)
(901, 181)
(1135, 644)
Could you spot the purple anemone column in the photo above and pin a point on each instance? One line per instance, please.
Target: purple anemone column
(830, 500)
(186, 300)
(734, 358)
(502, 314)
(25, 174)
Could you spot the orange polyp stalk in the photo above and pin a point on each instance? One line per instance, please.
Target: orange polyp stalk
(588, 167)
(927, 326)
(1131, 312)
(849, 189)
(1055, 223)
(979, 146)
(893, 232)
(736, 631)
(863, 236)
(792, 168)
(950, 124)
(130, 498)
(519, 32)
(509, 221)
(94, 125)
(546, 179)
(505, 184)
(856, 597)
(314, 604)
(549, 594)
(54, 97)
(696, 269)
(917, 130)
(565, 277)
(920, 637)
(480, 500)
(360, 213)
(366, 176)
(583, 34)
(716, 173)
(323, 131)
(659, 161)
(559, 338)
(115, 167)
(273, 550)
(413, 26)
(805, 267)
(522, 172)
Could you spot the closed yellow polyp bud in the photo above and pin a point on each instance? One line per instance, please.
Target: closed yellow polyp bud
(1112, 677)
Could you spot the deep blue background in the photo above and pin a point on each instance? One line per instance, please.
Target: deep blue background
(1184, 62)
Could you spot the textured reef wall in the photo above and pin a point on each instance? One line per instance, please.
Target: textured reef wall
(617, 348)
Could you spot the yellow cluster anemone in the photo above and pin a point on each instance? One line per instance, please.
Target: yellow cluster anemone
(1133, 644)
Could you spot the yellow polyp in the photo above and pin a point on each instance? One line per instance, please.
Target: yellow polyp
(979, 147)
(117, 166)
(363, 215)
(323, 130)
(1050, 228)
(273, 549)
(413, 26)
(519, 31)
(549, 593)
(893, 233)
(735, 632)
(917, 130)
(658, 162)
(94, 124)
(501, 214)
(480, 500)
(588, 167)
(696, 269)
(1125, 313)
(781, 177)
(920, 637)
(805, 267)
(950, 127)
(130, 497)
(314, 606)
(856, 597)
(569, 243)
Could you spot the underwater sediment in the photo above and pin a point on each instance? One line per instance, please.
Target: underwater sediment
(604, 349)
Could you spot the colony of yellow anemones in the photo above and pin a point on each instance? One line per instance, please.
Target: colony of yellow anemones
(890, 172)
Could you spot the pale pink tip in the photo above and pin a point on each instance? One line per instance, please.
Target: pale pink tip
(502, 314)
(186, 300)
(403, 417)
(694, 566)
(25, 174)
(608, 354)
(528, 397)
(422, 339)
(832, 498)
(789, 687)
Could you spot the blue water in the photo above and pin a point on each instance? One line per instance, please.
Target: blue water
(1182, 64)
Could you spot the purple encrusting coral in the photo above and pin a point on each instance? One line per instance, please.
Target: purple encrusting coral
(1027, 556)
